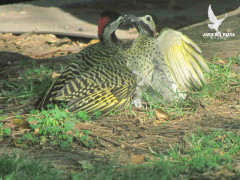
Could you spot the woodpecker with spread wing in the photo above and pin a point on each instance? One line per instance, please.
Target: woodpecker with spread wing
(170, 62)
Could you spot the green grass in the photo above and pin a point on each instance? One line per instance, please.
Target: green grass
(13, 168)
(218, 80)
(200, 153)
(27, 86)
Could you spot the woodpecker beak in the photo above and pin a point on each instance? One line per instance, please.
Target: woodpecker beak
(133, 18)
(121, 19)
(130, 18)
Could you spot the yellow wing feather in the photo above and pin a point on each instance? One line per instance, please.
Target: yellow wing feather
(102, 100)
(183, 57)
(95, 98)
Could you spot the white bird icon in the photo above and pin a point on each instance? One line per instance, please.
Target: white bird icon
(214, 20)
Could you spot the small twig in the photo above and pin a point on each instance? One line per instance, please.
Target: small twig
(234, 84)
(9, 117)
(170, 131)
(115, 142)
(105, 139)
(115, 129)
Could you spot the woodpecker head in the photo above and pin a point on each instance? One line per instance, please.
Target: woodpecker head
(145, 25)
(107, 17)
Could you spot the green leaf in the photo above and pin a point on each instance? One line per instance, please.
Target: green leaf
(7, 131)
(83, 115)
(86, 132)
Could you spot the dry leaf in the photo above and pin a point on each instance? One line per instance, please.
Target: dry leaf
(142, 117)
(55, 75)
(93, 41)
(220, 138)
(150, 157)
(138, 159)
(51, 35)
(21, 123)
(221, 61)
(123, 146)
(161, 114)
(36, 131)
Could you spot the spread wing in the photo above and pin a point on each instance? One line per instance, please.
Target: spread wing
(211, 15)
(183, 58)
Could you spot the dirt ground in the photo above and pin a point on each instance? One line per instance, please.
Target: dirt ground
(128, 135)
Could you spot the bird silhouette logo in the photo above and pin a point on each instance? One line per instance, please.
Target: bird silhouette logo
(214, 20)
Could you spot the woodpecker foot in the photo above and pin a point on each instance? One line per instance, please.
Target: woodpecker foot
(137, 102)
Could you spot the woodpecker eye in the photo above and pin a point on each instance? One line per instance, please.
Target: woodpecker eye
(148, 18)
